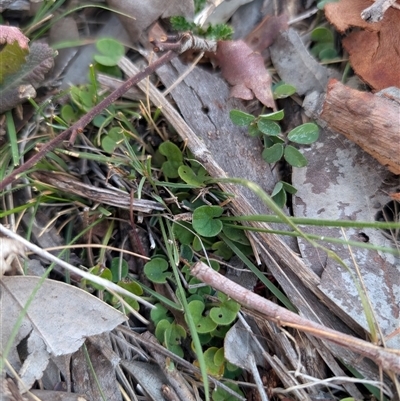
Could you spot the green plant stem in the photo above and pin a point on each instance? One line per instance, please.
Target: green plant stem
(305, 221)
(87, 118)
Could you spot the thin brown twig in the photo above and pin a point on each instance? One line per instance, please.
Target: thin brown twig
(78, 127)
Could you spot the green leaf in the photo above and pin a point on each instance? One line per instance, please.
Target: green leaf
(100, 272)
(236, 235)
(283, 91)
(156, 270)
(119, 269)
(204, 222)
(253, 130)
(134, 288)
(113, 138)
(321, 34)
(225, 313)
(210, 359)
(68, 114)
(280, 198)
(175, 159)
(160, 312)
(204, 324)
(222, 250)
(278, 187)
(111, 51)
(304, 134)
(273, 153)
(220, 394)
(13, 52)
(268, 127)
(241, 118)
(181, 232)
(190, 177)
(288, 188)
(276, 115)
(19, 86)
(327, 54)
(294, 157)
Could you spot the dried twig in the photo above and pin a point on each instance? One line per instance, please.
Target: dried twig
(389, 359)
(69, 184)
(78, 127)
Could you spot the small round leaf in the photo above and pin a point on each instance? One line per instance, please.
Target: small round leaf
(111, 51)
(204, 222)
(155, 270)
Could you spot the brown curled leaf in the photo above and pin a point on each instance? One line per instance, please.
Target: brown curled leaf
(245, 71)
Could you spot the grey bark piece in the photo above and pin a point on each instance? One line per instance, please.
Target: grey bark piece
(203, 100)
(296, 66)
(343, 182)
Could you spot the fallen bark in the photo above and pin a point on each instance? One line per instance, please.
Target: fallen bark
(370, 121)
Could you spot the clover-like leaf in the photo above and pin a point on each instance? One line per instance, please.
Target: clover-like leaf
(222, 250)
(219, 394)
(112, 139)
(111, 51)
(204, 222)
(156, 270)
(241, 118)
(236, 235)
(100, 271)
(214, 367)
(225, 313)
(304, 134)
(119, 269)
(294, 157)
(204, 324)
(160, 312)
(190, 177)
(273, 154)
(134, 288)
(175, 159)
(183, 232)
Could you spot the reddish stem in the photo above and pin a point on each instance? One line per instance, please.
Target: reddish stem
(87, 118)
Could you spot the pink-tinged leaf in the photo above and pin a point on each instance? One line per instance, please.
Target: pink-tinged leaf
(245, 71)
(32, 73)
(10, 34)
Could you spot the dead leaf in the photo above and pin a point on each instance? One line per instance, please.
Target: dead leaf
(395, 196)
(10, 34)
(58, 320)
(30, 75)
(245, 71)
(296, 66)
(265, 33)
(9, 247)
(375, 49)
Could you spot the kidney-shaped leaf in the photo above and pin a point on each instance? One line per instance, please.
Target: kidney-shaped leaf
(156, 270)
(204, 221)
